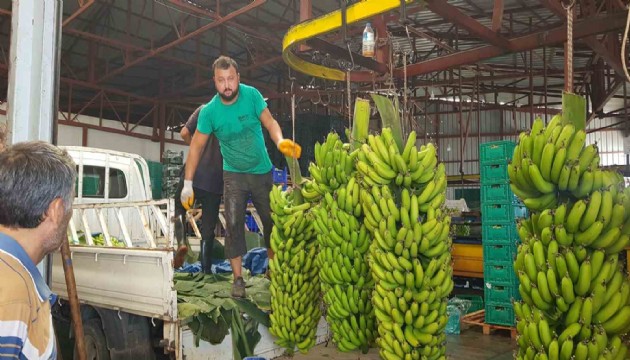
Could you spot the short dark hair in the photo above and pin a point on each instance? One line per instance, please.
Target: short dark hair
(32, 175)
(224, 63)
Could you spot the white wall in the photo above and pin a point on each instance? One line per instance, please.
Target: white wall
(73, 136)
(610, 142)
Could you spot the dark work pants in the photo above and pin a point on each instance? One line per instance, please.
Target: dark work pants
(210, 204)
(237, 188)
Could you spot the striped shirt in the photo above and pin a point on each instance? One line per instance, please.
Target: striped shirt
(26, 328)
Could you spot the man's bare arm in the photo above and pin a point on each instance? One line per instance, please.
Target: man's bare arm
(197, 145)
(272, 126)
(186, 135)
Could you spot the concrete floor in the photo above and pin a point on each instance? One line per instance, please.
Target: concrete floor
(471, 344)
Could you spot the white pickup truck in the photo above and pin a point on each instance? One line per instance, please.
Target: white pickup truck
(128, 301)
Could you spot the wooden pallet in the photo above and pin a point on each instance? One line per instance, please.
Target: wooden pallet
(478, 318)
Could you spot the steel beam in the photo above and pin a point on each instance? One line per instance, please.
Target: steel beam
(84, 7)
(497, 15)
(341, 53)
(506, 76)
(598, 108)
(454, 15)
(183, 39)
(593, 26)
(612, 59)
(216, 16)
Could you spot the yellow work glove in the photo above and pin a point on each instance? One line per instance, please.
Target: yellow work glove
(290, 148)
(187, 196)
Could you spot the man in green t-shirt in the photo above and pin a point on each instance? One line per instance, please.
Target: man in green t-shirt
(235, 116)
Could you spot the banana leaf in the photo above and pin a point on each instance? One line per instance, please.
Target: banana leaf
(574, 110)
(361, 122)
(205, 305)
(390, 117)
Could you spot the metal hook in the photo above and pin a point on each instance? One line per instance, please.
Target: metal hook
(319, 98)
(569, 6)
(351, 57)
(325, 103)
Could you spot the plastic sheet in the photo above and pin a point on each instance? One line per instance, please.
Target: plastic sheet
(456, 307)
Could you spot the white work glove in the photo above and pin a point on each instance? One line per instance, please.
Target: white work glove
(187, 196)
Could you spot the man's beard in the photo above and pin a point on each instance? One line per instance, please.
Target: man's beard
(231, 97)
(58, 236)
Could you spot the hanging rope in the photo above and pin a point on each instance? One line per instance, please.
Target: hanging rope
(623, 47)
(349, 100)
(405, 109)
(568, 87)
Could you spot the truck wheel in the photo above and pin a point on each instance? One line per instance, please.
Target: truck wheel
(95, 342)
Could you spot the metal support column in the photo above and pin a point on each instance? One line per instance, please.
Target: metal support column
(33, 70)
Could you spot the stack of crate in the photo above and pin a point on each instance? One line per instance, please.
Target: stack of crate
(172, 162)
(500, 209)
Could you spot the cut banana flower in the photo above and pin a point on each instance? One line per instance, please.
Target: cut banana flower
(575, 293)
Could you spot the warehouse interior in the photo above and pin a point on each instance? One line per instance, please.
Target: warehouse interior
(468, 77)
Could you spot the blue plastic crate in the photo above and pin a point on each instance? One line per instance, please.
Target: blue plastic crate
(280, 176)
(496, 152)
(251, 223)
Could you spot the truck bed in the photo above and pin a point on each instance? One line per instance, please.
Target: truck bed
(138, 281)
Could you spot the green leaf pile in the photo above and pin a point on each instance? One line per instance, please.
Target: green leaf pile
(205, 305)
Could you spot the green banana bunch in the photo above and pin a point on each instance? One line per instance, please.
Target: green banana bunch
(334, 165)
(346, 280)
(379, 162)
(575, 294)
(310, 191)
(401, 197)
(294, 271)
(345, 275)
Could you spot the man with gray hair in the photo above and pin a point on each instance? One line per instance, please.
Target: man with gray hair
(36, 195)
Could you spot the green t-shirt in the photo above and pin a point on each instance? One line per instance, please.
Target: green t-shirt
(239, 130)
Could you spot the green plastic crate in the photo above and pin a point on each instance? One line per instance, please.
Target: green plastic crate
(499, 212)
(496, 152)
(500, 314)
(494, 174)
(499, 273)
(500, 293)
(499, 252)
(91, 186)
(499, 232)
(155, 175)
(497, 193)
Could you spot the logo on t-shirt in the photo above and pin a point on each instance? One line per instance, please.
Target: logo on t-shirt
(242, 117)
